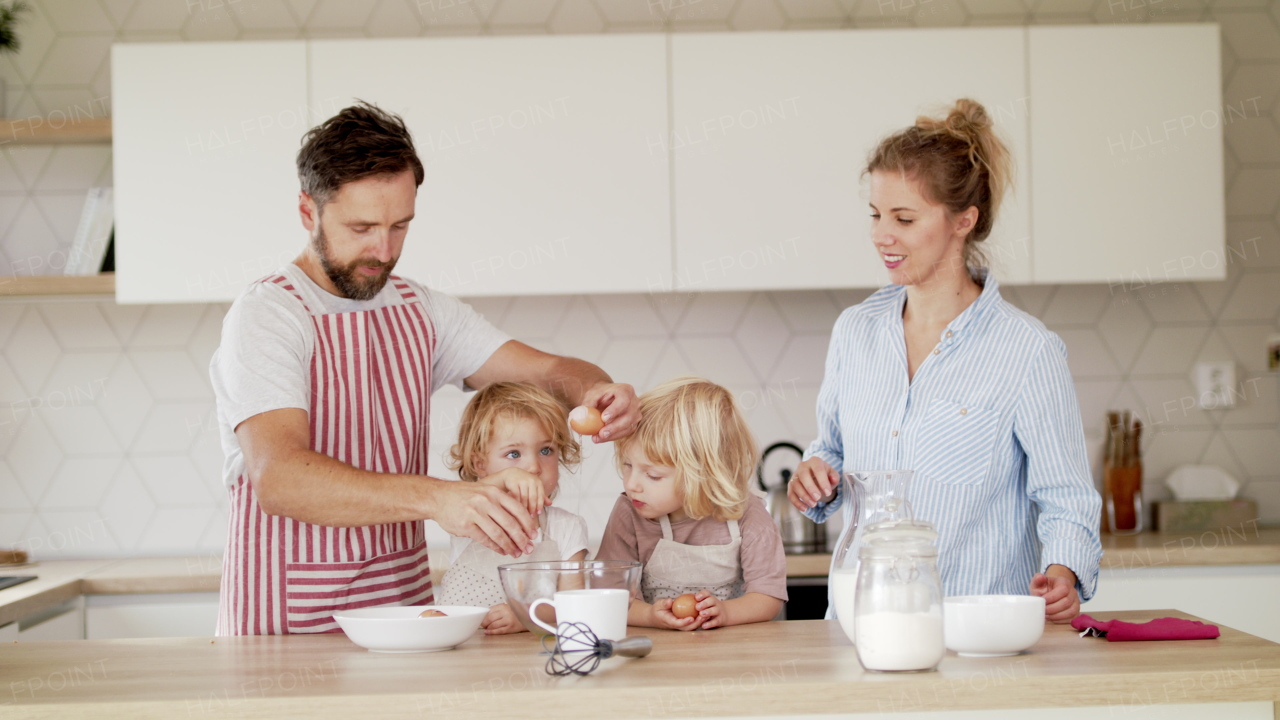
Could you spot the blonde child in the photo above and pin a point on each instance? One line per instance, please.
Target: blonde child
(688, 515)
(514, 436)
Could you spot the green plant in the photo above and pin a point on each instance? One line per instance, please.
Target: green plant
(9, 15)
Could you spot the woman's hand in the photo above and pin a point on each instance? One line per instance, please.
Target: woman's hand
(501, 620)
(1057, 585)
(815, 481)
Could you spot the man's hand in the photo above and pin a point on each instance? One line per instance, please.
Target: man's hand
(618, 406)
(574, 382)
(484, 513)
(522, 485)
(815, 481)
(1057, 585)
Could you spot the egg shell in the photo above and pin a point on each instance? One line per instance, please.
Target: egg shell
(431, 613)
(685, 606)
(586, 420)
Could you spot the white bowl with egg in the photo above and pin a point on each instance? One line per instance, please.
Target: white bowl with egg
(399, 629)
(992, 625)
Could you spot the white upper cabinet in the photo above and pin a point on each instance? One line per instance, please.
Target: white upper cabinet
(544, 172)
(1126, 151)
(771, 132)
(649, 162)
(205, 136)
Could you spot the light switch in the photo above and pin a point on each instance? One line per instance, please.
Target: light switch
(1215, 384)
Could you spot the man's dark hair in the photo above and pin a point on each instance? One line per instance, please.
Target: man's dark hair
(360, 141)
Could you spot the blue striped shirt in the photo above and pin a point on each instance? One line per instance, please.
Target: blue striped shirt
(990, 425)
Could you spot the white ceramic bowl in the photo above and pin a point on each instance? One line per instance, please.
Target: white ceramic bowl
(398, 629)
(992, 625)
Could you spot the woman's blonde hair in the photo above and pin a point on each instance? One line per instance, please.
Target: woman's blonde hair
(695, 426)
(959, 162)
(509, 400)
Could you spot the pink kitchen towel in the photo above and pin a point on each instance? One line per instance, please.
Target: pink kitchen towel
(1159, 629)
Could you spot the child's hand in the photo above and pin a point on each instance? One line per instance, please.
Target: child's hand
(501, 620)
(522, 485)
(710, 610)
(662, 617)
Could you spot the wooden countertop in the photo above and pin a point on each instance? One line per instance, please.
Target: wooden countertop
(61, 580)
(776, 668)
(55, 583)
(1246, 544)
(201, 573)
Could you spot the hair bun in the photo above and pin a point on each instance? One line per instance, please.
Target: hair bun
(967, 120)
(959, 158)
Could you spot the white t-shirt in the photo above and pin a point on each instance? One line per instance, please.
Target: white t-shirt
(268, 337)
(567, 529)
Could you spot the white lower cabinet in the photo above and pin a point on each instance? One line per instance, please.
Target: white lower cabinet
(1238, 596)
(109, 617)
(62, 622)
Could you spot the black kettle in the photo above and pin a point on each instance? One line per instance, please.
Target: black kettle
(800, 535)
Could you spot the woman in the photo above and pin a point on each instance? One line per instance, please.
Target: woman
(936, 373)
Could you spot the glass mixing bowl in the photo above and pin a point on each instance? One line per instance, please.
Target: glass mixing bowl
(529, 581)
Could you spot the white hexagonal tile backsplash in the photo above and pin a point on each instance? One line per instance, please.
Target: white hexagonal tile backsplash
(108, 443)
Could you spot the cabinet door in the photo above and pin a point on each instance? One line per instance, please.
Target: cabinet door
(1239, 596)
(63, 622)
(109, 617)
(771, 133)
(1126, 147)
(544, 173)
(206, 189)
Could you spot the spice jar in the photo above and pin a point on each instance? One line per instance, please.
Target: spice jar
(898, 605)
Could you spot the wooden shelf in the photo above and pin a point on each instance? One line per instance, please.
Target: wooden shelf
(37, 285)
(46, 131)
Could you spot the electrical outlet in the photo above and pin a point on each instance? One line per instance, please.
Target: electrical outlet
(1214, 384)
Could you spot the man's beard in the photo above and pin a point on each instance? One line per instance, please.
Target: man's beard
(347, 278)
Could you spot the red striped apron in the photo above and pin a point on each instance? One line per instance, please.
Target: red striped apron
(370, 408)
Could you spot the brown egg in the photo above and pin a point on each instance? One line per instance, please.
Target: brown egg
(685, 606)
(432, 612)
(585, 420)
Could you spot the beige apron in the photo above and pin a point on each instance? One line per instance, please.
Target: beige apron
(473, 578)
(675, 568)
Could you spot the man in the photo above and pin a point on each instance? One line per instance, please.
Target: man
(324, 380)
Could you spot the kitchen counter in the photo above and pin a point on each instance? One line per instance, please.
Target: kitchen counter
(778, 668)
(61, 580)
(1246, 544)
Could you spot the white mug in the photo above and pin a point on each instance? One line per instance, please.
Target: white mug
(604, 610)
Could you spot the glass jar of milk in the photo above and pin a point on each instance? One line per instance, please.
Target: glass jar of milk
(868, 497)
(898, 598)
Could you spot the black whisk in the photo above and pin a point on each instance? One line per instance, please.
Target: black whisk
(576, 650)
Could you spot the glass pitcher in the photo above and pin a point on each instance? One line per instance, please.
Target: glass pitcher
(898, 610)
(869, 497)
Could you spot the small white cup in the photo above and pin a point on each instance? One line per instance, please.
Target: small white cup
(604, 610)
